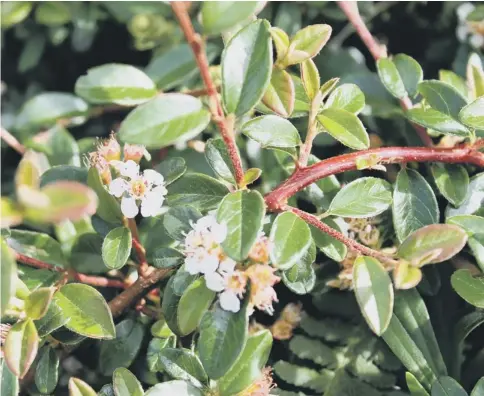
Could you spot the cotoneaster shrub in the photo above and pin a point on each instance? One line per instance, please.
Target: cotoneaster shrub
(203, 248)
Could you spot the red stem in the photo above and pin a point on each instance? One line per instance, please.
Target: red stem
(378, 51)
(179, 8)
(351, 243)
(12, 141)
(303, 177)
(98, 281)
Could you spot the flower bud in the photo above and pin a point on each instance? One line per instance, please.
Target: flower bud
(110, 149)
(133, 152)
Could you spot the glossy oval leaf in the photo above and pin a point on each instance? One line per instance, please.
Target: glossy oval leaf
(9, 383)
(78, 387)
(177, 387)
(117, 83)
(472, 115)
(198, 190)
(331, 247)
(243, 213)
(374, 293)
(172, 169)
(87, 310)
(246, 67)
(307, 43)
(51, 321)
(447, 386)
(474, 201)
(183, 364)
(301, 277)
(117, 247)
(217, 156)
(280, 95)
(452, 181)
(271, 131)
(20, 347)
(219, 16)
(164, 120)
(432, 244)
(442, 97)
(415, 387)
(400, 75)
(47, 371)
(194, 302)
(223, 335)
(37, 303)
(8, 276)
(125, 383)
(347, 97)
(364, 197)
(344, 127)
(166, 257)
(414, 203)
(108, 207)
(440, 122)
(290, 238)
(178, 221)
(468, 287)
(310, 78)
(249, 365)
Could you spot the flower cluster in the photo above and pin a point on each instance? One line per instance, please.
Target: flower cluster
(135, 188)
(204, 255)
(290, 318)
(262, 386)
(468, 30)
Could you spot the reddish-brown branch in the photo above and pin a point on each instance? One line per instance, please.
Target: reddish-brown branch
(138, 247)
(194, 40)
(92, 280)
(303, 177)
(12, 141)
(350, 8)
(350, 243)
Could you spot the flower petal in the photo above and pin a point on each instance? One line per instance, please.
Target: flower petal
(130, 169)
(227, 266)
(214, 281)
(219, 232)
(210, 264)
(118, 186)
(129, 207)
(192, 265)
(153, 177)
(229, 301)
(151, 204)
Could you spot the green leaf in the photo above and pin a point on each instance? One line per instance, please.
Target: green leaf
(13, 13)
(468, 287)
(178, 388)
(172, 169)
(20, 347)
(442, 97)
(364, 197)
(344, 127)
(280, 95)
(251, 175)
(452, 181)
(475, 76)
(432, 244)
(223, 335)
(248, 366)
(9, 384)
(155, 347)
(474, 226)
(194, 302)
(63, 172)
(52, 14)
(38, 246)
(47, 371)
(78, 387)
(271, 131)
(290, 238)
(217, 156)
(374, 293)
(406, 276)
(440, 122)
(37, 303)
(198, 190)
(243, 213)
(51, 321)
(108, 207)
(310, 78)
(347, 97)
(301, 278)
(88, 311)
(330, 246)
(164, 120)
(400, 75)
(246, 67)
(472, 115)
(124, 85)
(414, 204)
(175, 65)
(125, 383)
(307, 43)
(45, 109)
(415, 387)
(86, 254)
(8, 276)
(455, 80)
(178, 221)
(478, 388)
(220, 16)
(281, 41)
(160, 329)
(447, 386)
(117, 247)
(122, 350)
(474, 202)
(166, 257)
(293, 374)
(314, 350)
(183, 364)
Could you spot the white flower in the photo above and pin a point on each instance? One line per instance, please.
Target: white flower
(230, 282)
(134, 187)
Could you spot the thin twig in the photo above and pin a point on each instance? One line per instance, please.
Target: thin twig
(12, 141)
(225, 127)
(378, 51)
(311, 133)
(350, 243)
(138, 247)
